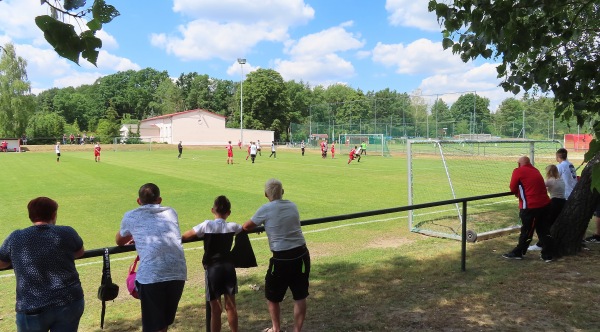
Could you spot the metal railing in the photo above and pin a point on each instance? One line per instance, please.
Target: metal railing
(121, 249)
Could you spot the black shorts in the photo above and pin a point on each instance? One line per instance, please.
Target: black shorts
(58, 154)
(220, 279)
(159, 303)
(290, 268)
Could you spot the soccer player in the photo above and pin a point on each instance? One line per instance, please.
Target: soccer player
(219, 269)
(248, 150)
(253, 149)
(258, 149)
(363, 147)
(97, 149)
(240, 144)
(351, 154)
(357, 153)
(229, 153)
(180, 149)
(333, 150)
(273, 152)
(302, 146)
(57, 150)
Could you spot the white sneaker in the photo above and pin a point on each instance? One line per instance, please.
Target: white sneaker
(534, 247)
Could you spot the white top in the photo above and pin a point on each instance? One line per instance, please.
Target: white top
(217, 226)
(282, 224)
(568, 175)
(155, 230)
(253, 149)
(57, 148)
(273, 147)
(556, 188)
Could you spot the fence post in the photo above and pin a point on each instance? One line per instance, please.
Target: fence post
(463, 239)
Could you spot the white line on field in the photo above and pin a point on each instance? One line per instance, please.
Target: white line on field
(131, 257)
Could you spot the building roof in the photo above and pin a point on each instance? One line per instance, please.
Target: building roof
(182, 113)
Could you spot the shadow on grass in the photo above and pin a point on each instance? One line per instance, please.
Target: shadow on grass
(396, 290)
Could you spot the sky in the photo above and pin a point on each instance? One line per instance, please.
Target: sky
(368, 45)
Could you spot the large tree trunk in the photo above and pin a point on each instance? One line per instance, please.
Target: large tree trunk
(570, 227)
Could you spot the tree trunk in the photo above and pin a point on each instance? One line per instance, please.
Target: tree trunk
(571, 224)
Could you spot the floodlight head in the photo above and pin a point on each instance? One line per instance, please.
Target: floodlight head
(241, 61)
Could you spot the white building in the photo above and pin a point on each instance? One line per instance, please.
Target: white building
(194, 127)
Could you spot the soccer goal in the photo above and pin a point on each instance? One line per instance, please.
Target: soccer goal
(443, 170)
(124, 144)
(376, 143)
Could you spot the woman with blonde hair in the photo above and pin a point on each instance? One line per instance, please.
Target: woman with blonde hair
(556, 190)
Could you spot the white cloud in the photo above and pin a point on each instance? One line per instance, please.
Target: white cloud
(420, 56)
(204, 40)
(480, 79)
(76, 79)
(110, 62)
(325, 42)
(236, 69)
(279, 12)
(314, 58)
(411, 13)
(18, 18)
(108, 41)
(324, 70)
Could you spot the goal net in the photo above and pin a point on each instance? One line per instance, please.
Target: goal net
(123, 144)
(443, 170)
(376, 143)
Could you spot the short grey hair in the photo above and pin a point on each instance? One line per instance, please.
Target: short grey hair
(274, 189)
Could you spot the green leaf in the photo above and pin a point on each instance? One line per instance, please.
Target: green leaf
(73, 4)
(61, 36)
(91, 45)
(592, 151)
(94, 25)
(447, 43)
(104, 13)
(595, 177)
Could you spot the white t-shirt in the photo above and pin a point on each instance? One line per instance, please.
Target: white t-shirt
(282, 224)
(272, 147)
(253, 149)
(556, 187)
(568, 175)
(217, 226)
(155, 230)
(57, 148)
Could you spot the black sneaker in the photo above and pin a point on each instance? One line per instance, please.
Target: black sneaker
(593, 239)
(512, 255)
(546, 258)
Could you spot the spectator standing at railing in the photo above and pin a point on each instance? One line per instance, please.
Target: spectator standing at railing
(290, 265)
(162, 269)
(49, 293)
(220, 277)
(528, 185)
(566, 170)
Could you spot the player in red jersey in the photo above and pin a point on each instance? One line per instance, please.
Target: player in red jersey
(97, 149)
(351, 155)
(332, 150)
(229, 153)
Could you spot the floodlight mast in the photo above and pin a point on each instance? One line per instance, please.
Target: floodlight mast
(242, 61)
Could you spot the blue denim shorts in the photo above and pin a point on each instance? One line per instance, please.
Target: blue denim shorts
(64, 318)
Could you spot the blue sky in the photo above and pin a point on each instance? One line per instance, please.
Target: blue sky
(371, 45)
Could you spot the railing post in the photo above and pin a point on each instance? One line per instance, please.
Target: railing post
(463, 260)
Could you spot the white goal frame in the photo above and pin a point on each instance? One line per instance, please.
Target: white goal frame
(481, 152)
(347, 147)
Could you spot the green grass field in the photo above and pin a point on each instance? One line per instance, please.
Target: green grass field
(369, 274)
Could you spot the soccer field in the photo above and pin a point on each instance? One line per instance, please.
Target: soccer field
(93, 197)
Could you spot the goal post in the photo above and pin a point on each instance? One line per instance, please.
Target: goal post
(449, 169)
(376, 143)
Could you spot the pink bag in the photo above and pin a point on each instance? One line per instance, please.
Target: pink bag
(131, 278)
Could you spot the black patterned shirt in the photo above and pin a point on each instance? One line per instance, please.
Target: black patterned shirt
(43, 258)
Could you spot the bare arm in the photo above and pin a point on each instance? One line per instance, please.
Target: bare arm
(4, 265)
(79, 252)
(249, 226)
(123, 240)
(188, 235)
